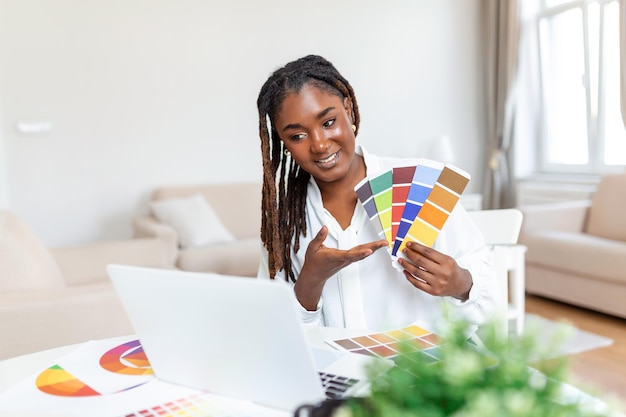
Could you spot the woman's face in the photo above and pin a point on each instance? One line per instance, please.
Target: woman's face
(316, 127)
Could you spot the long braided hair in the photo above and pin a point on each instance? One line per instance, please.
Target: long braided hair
(283, 217)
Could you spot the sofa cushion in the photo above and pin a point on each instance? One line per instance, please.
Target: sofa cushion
(578, 253)
(238, 204)
(606, 218)
(25, 262)
(86, 264)
(193, 219)
(238, 258)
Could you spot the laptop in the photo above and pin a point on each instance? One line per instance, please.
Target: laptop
(235, 336)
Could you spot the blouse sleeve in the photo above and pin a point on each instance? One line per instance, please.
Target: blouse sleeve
(461, 239)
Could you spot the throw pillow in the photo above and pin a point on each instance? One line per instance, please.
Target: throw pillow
(193, 219)
(606, 218)
(25, 262)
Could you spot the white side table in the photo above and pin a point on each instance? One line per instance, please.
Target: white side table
(511, 259)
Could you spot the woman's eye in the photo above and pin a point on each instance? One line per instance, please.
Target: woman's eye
(298, 137)
(329, 123)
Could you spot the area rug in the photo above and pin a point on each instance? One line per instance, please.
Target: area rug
(562, 338)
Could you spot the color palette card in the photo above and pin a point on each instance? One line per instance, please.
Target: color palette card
(391, 343)
(375, 194)
(411, 203)
(437, 207)
(424, 178)
(402, 180)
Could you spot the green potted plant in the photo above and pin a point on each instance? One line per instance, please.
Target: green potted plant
(468, 380)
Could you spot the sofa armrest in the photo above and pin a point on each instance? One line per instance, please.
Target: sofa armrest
(148, 226)
(36, 320)
(566, 216)
(87, 263)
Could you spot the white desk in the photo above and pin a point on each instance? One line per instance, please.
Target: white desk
(15, 370)
(17, 384)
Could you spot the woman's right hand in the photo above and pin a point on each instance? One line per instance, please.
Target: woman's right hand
(321, 263)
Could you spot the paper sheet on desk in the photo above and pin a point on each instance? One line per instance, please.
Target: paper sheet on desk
(390, 343)
(79, 384)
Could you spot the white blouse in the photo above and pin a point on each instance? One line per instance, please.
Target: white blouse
(371, 294)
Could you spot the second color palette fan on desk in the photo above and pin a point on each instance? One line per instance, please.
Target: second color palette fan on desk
(412, 203)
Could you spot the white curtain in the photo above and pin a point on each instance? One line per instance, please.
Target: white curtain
(501, 38)
(622, 53)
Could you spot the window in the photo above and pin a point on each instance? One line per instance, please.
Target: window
(581, 125)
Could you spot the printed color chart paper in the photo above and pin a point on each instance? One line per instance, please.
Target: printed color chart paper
(113, 378)
(389, 344)
(96, 369)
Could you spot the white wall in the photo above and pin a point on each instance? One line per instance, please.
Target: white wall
(4, 191)
(143, 93)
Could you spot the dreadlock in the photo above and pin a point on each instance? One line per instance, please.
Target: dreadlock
(283, 218)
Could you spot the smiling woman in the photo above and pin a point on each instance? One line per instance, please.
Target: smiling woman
(308, 124)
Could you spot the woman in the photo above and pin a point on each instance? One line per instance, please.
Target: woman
(308, 123)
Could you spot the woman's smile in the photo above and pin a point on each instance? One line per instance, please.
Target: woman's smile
(328, 162)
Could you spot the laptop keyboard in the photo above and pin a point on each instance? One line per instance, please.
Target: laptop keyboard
(335, 386)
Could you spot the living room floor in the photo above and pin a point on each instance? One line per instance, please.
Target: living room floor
(604, 369)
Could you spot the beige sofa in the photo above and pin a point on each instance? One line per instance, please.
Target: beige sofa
(60, 296)
(216, 227)
(577, 250)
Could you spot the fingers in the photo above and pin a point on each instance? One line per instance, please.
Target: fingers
(317, 242)
(434, 272)
(339, 258)
(423, 256)
(421, 268)
(425, 251)
(424, 281)
(417, 272)
(321, 236)
(378, 244)
(372, 246)
(360, 252)
(418, 282)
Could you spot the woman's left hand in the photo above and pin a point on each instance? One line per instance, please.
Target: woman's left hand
(434, 272)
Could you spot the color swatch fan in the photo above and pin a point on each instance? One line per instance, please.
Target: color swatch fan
(412, 203)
